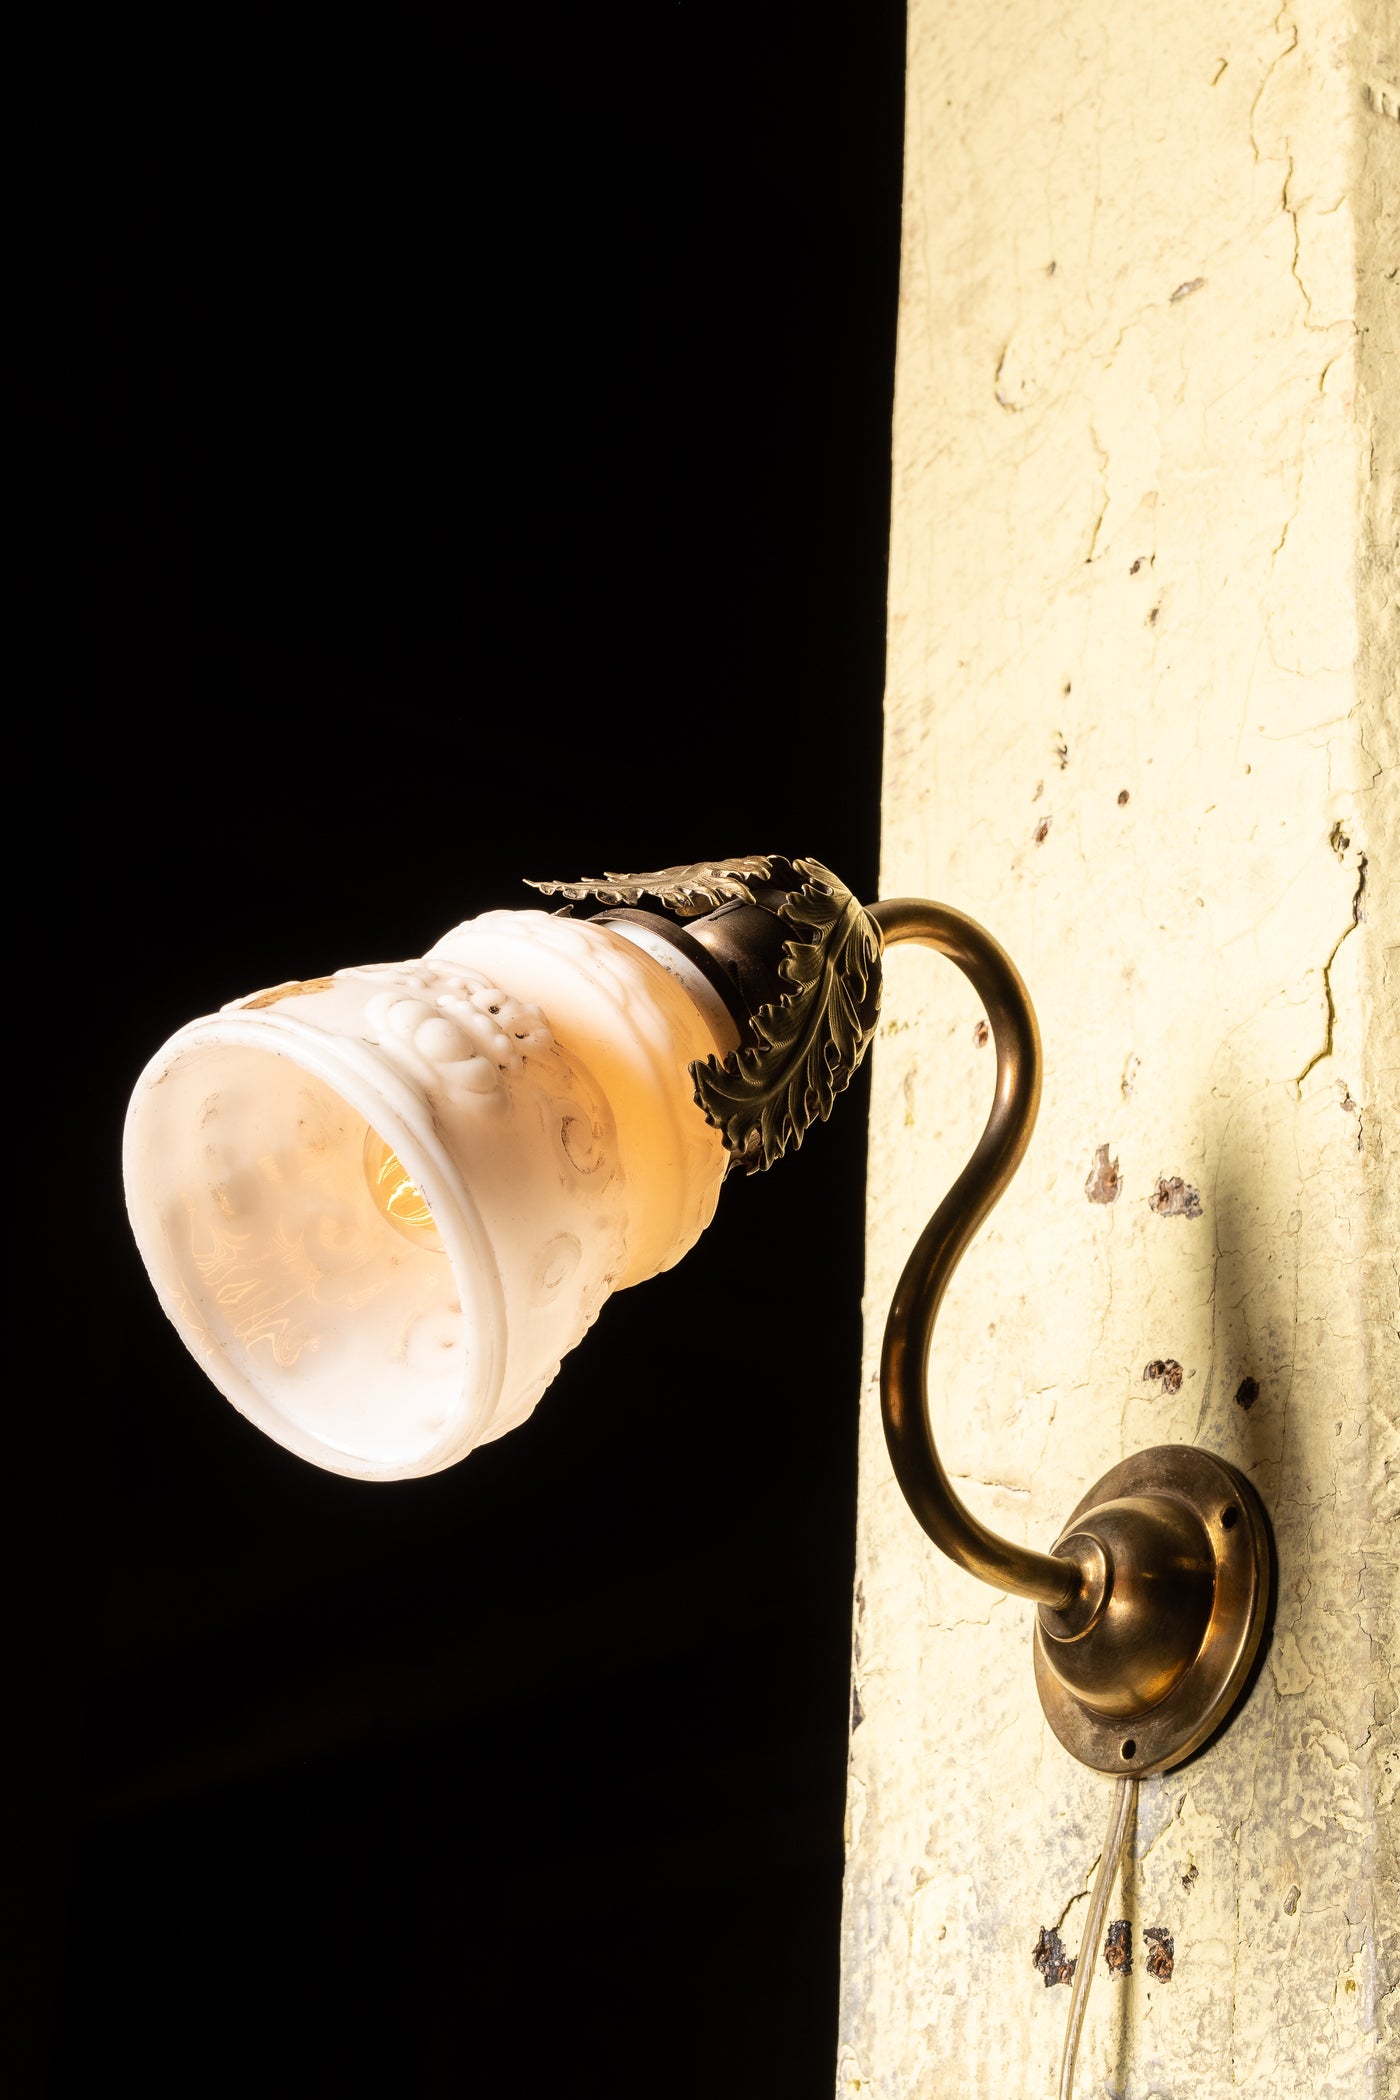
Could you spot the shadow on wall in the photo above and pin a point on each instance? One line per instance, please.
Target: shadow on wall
(1243, 1418)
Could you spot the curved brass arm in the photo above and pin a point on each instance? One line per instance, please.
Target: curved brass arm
(941, 1245)
(1152, 1603)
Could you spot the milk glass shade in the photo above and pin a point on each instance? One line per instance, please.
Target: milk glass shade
(380, 1206)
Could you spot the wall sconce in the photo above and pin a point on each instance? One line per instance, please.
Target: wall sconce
(380, 1206)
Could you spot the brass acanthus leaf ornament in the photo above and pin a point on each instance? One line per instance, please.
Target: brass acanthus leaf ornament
(810, 1042)
(685, 891)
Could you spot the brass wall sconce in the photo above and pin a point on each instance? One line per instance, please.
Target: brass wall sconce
(381, 1205)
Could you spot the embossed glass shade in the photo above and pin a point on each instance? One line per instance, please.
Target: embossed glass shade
(380, 1206)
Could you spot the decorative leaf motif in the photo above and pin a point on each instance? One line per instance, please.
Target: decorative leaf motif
(687, 891)
(809, 1043)
(765, 1097)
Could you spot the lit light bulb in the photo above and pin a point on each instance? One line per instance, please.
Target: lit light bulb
(396, 1196)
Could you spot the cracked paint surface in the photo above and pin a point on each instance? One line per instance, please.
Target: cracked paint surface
(1142, 723)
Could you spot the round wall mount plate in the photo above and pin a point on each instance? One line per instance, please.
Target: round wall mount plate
(1238, 1531)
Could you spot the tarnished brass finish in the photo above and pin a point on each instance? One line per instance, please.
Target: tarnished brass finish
(802, 1044)
(1187, 1544)
(1153, 1607)
(1153, 1599)
(941, 1245)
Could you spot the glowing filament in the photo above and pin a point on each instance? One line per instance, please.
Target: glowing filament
(396, 1195)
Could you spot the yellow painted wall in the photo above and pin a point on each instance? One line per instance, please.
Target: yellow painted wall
(1142, 721)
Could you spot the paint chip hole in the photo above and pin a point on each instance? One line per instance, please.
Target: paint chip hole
(1130, 1748)
(1230, 1517)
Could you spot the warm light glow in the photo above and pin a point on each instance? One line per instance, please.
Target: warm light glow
(396, 1196)
(381, 1211)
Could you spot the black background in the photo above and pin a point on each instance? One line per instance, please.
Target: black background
(458, 450)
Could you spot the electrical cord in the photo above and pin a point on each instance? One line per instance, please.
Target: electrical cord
(1093, 1930)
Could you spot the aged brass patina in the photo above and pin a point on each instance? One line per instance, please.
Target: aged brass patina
(1142, 1694)
(1153, 1599)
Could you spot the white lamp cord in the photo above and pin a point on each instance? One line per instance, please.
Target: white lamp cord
(1093, 1930)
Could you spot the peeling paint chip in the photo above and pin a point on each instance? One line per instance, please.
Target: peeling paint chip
(1118, 1948)
(1184, 291)
(1042, 831)
(1247, 1393)
(1050, 1958)
(1104, 1178)
(1174, 1198)
(1161, 1953)
(1165, 1369)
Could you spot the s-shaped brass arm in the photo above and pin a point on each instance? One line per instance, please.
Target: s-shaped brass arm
(941, 1246)
(1154, 1596)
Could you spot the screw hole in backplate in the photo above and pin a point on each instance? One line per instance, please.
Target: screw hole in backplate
(1130, 1748)
(1230, 1517)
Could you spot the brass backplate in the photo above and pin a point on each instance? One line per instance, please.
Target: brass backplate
(1238, 1534)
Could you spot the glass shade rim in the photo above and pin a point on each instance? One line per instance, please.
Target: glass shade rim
(397, 1112)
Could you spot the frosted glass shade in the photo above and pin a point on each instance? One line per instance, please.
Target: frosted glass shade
(380, 1206)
